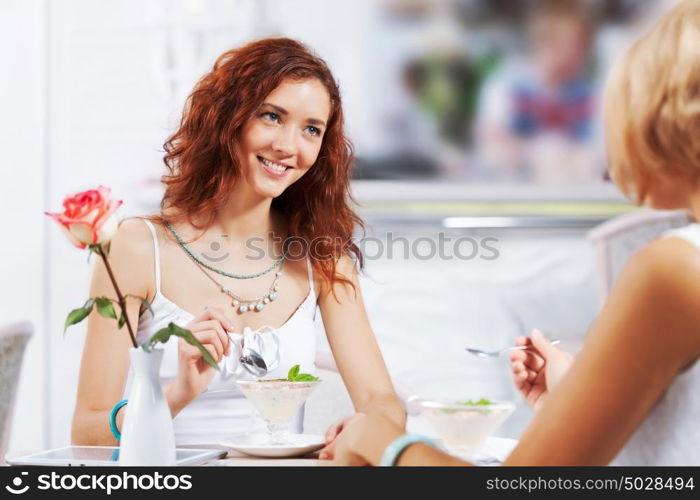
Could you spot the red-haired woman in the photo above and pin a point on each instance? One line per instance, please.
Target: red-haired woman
(255, 230)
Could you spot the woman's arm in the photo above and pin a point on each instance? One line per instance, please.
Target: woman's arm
(355, 348)
(365, 439)
(647, 332)
(105, 360)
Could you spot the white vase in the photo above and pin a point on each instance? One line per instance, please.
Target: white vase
(148, 437)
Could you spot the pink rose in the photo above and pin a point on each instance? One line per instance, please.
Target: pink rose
(88, 218)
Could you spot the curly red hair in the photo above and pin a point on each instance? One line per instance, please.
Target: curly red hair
(202, 155)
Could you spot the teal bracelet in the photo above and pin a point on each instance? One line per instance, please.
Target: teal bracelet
(113, 418)
(393, 452)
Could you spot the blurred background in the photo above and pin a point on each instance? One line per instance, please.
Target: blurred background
(473, 118)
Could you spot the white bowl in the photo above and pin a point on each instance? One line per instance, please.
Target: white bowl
(463, 428)
(277, 400)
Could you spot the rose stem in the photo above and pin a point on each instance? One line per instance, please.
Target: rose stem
(122, 300)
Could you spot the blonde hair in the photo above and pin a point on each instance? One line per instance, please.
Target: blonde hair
(652, 105)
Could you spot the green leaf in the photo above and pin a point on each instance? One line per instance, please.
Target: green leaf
(96, 248)
(105, 307)
(145, 303)
(92, 249)
(164, 334)
(122, 320)
(77, 315)
(295, 376)
(480, 402)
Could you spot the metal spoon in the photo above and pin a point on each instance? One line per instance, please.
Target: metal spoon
(253, 362)
(495, 354)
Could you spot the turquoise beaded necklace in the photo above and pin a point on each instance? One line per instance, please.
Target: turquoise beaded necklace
(239, 303)
(189, 251)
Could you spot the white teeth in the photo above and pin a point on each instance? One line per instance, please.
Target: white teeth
(274, 166)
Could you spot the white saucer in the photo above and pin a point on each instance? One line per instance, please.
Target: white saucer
(257, 446)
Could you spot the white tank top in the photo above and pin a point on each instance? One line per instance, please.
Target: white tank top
(222, 410)
(670, 434)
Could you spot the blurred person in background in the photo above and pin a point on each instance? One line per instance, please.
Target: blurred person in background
(536, 118)
(631, 395)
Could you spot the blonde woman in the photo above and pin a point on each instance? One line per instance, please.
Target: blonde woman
(632, 396)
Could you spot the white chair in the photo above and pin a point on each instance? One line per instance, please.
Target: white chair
(618, 238)
(13, 341)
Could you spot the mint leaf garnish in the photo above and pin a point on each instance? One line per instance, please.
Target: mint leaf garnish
(481, 402)
(295, 376)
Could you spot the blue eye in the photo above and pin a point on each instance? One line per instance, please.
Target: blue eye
(314, 131)
(270, 116)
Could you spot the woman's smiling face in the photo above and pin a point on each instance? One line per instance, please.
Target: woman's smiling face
(282, 140)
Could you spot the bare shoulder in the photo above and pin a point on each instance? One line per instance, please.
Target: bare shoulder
(668, 262)
(346, 267)
(131, 256)
(133, 234)
(347, 287)
(660, 287)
